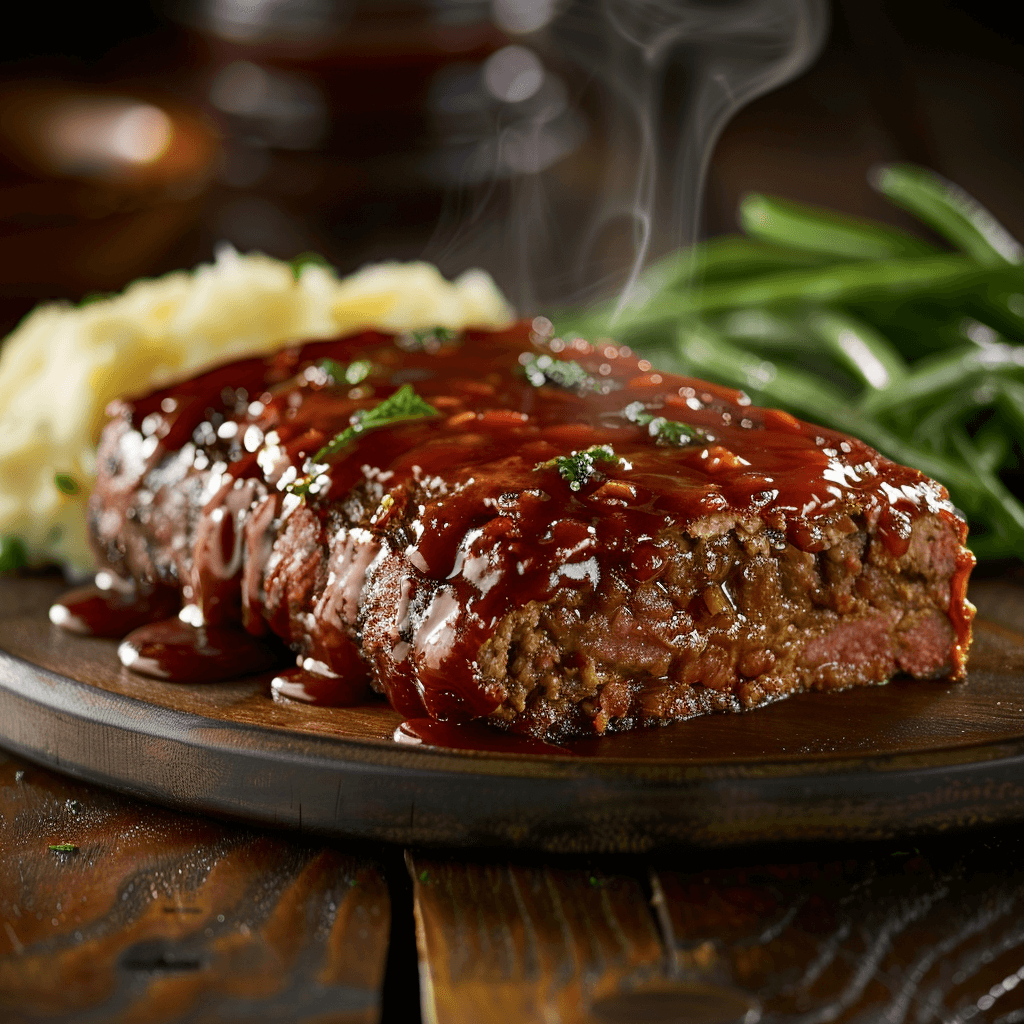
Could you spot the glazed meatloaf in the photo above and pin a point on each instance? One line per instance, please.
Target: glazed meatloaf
(547, 533)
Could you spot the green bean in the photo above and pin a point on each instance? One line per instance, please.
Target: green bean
(1009, 401)
(916, 327)
(931, 428)
(991, 305)
(762, 328)
(863, 329)
(950, 211)
(1002, 506)
(821, 231)
(944, 375)
(712, 355)
(869, 355)
(835, 284)
(715, 261)
(992, 445)
(723, 258)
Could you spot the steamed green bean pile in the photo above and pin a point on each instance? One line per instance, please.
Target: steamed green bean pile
(917, 349)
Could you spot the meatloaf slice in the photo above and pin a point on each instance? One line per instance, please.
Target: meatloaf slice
(553, 535)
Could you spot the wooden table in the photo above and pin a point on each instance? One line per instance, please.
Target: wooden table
(160, 916)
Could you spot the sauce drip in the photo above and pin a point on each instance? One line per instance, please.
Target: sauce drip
(322, 690)
(112, 611)
(179, 652)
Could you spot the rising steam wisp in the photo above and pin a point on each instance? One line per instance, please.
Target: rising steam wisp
(594, 130)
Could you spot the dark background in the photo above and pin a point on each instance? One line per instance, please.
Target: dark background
(941, 84)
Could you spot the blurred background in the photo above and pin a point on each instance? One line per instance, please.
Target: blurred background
(135, 137)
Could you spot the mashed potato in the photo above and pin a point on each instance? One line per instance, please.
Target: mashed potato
(63, 364)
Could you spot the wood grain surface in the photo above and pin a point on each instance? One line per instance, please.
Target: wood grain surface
(528, 943)
(153, 916)
(855, 934)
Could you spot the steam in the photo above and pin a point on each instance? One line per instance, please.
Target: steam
(593, 131)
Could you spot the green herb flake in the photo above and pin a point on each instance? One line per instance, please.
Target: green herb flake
(428, 339)
(358, 371)
(665, 431)
(12, 553)
(64, 847)
(334, 370)
(562, 373)
(351, 373)
(66, 483)
(435, 334)
(424, 876)
(578, 468)
(307, 259)
(403, 405)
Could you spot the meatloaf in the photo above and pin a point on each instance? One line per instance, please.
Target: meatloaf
(542, 532)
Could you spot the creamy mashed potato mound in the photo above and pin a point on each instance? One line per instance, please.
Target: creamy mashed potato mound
(63, 364)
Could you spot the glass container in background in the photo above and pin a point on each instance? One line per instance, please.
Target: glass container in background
(556, 143)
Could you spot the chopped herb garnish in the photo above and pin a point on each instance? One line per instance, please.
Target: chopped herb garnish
(577, 469)
(358, 371)
(88, 300)
(12, 553)
(66, 484)
(434, 334)
(663, 430)
(64, 847)
(428, 339)
(307, 259)
(403, 405)
(563, 373)
(352, 373)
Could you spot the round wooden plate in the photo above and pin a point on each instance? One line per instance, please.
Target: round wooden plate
(865, 763)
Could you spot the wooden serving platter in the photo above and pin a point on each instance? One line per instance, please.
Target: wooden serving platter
(866, 763)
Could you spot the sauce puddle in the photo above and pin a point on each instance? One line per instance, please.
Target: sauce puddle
(178, 652)
(111, 611)
(326, 691)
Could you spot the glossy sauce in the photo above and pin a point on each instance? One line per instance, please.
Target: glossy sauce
(468, 524)
(179, 652)
(112, 611)
(322, 690)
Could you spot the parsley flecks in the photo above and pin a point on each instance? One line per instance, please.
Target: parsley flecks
(428, 339)
(577, 469)
(351, 373)
(665, 431)
(64, 847)
(66, 483)
(563, 373)
(403, 405)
